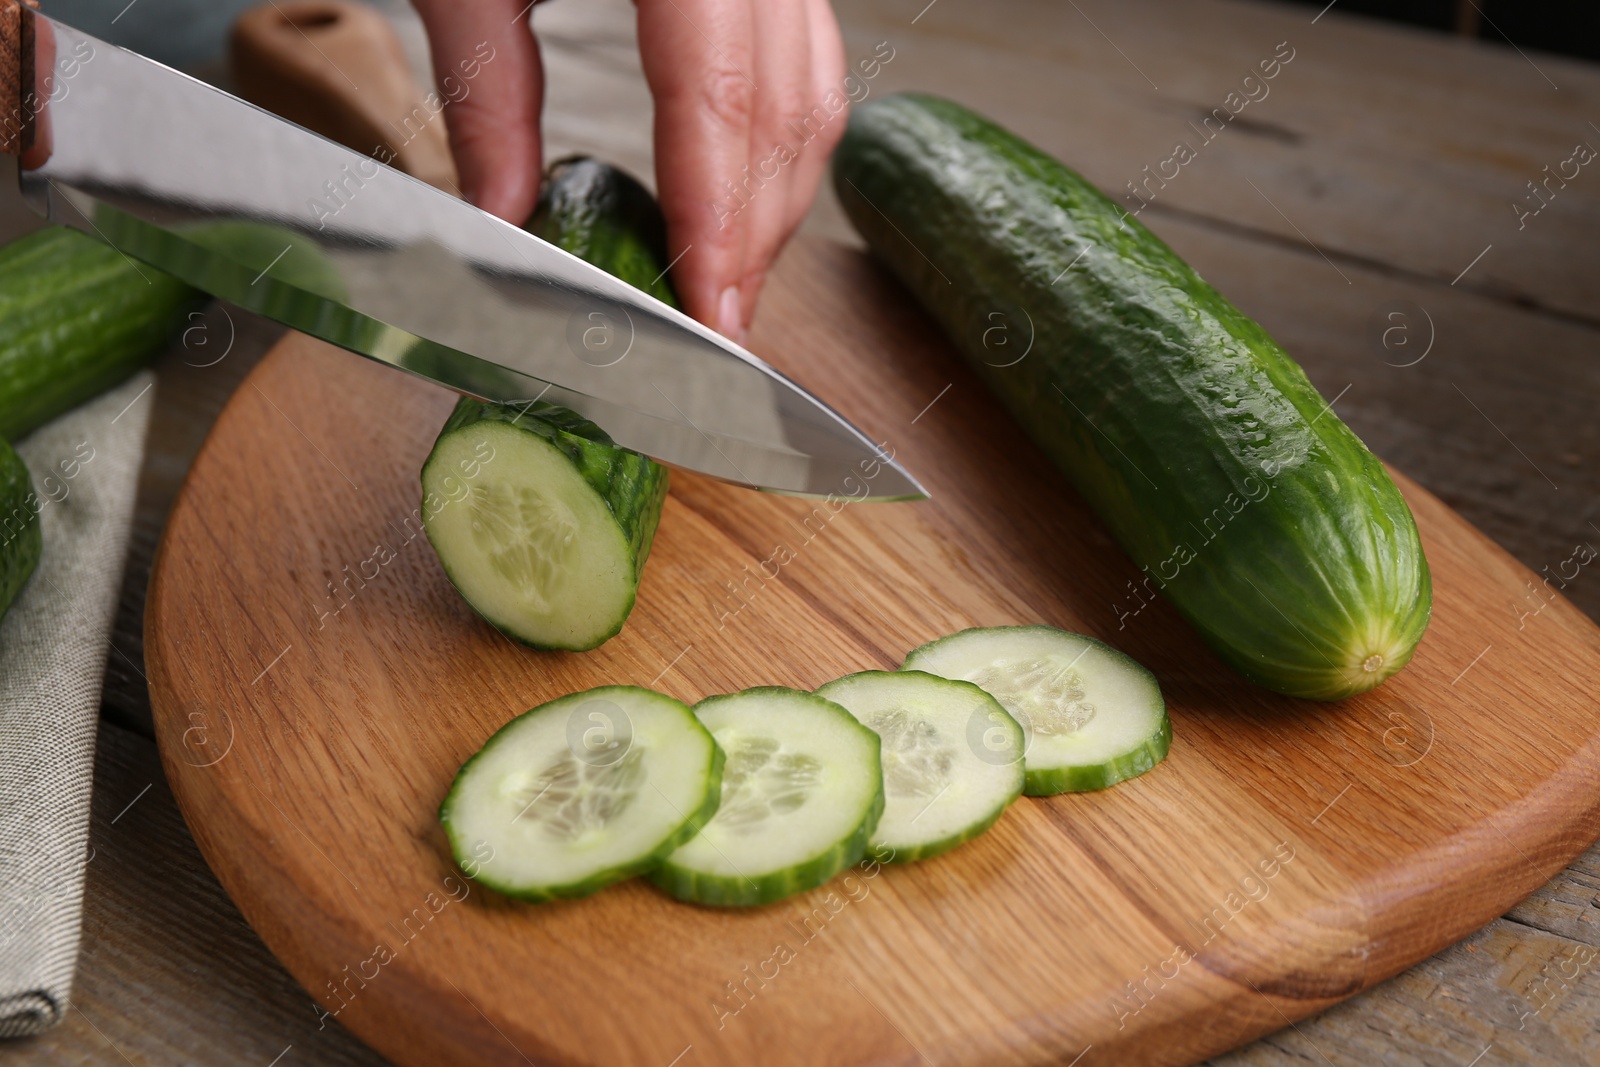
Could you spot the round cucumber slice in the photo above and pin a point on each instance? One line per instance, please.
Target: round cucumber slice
(542, 530)
(802, 790)
(581, 792)
(1093, 715)
(952, 757)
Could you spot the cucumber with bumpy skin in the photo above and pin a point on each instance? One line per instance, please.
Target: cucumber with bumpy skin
(952, 757)
(76, 318)
(547, 540)
(582, 792)
(1093, 716)
(802, 791)
(1201, 445)
(19, 526)
(602, 215)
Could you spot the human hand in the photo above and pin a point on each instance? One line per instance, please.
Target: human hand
(742, 133)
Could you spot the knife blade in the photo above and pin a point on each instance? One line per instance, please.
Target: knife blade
(194, 181)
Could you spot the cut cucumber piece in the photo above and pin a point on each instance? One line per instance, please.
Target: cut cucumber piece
(582, 792)
(1093, 716)
(553, 544)
(802, 791)
(541, 523)
(952, 758)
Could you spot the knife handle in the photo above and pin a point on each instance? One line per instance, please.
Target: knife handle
(338, 69)
(18, 106)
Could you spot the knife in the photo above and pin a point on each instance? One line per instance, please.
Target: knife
(156, 164)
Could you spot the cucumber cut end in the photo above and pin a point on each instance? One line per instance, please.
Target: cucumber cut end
(525, 538)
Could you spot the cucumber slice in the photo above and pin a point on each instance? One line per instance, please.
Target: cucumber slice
(952, 757)
(1093, 716)
(540, 522)
(802, 791)
(581, 792)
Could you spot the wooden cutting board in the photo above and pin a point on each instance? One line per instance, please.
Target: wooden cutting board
(317, 682)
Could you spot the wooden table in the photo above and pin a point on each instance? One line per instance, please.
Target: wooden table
(1375, 179)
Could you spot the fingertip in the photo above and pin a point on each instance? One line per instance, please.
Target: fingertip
(730, 314)
(749, 295)
(508, 191)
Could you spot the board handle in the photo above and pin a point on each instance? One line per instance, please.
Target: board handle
(338, 68)
(17, 104)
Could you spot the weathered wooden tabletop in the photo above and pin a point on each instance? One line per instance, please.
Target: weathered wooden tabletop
(1361, 205)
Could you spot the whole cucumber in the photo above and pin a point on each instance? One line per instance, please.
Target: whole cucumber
(1202, 446)
(76, 318)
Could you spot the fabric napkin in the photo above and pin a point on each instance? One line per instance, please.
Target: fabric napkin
(53, 647)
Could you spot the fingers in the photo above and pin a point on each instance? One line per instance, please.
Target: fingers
(782, 49)
(809, 124)
(749, 103)
(494, 127)
(698, 58)
(827, 77)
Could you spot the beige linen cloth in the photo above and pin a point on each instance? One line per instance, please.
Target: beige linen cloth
(53, 647)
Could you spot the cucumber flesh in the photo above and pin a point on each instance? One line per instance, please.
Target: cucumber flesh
(802, 791)
(542, 529)
(582, 792)
(1093, 716)
(952, 758)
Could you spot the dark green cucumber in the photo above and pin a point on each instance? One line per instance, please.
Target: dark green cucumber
(19, 526)
(602, 215)
(76, 318)
(554, 522)
(1199, 442)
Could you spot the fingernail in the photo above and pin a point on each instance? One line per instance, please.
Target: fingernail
(730, 322)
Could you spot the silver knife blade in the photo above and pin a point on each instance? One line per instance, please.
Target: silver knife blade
(256, 210)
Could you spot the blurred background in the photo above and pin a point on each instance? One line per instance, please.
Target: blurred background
(189, 33)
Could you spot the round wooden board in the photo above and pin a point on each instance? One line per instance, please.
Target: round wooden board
(317, 682)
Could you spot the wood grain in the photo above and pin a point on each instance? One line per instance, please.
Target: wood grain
(1410, 816)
